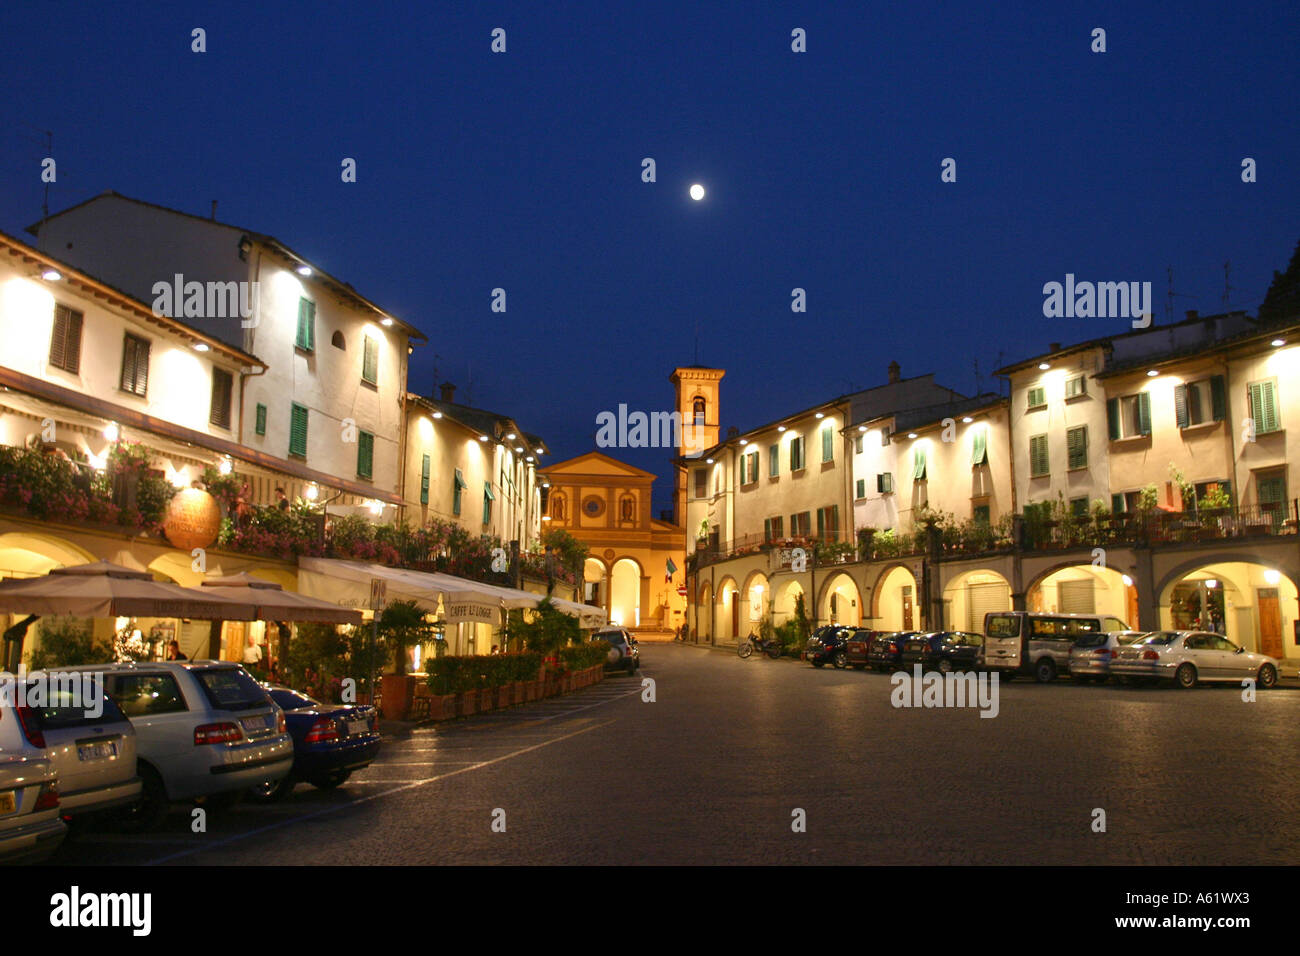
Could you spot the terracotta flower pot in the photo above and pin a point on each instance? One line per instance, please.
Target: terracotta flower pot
(505, 697)
(442, 707)
(466, 703)
(487, 699)
(397, 692)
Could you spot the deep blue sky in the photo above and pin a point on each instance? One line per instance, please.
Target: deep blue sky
(522, 171)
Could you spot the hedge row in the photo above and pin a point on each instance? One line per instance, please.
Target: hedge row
(455, 675)
(580, 656)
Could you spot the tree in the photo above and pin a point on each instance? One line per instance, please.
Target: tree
(549, 630)
(1282, 301)
(402, 624)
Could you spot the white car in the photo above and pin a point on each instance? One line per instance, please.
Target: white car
(91, 746)
(30, 826)
(204, 729)
(1191, 657)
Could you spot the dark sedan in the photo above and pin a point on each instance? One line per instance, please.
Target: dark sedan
(886, 652)
(826, 645)
(858, 647)
(329, 741)
(944, 651)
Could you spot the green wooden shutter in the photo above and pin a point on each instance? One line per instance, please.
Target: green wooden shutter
(1076, 440)
(828, 444)
(1038, 460)
(425, 463)
(222, 388)
(918, 464)
(979, 447)
(298, 431)
(1117, 504)
(1144, 413)
(1037, 396)
(821, 522)
(457, 484)
(1218, 398)
(862, 488)
(1180, 406)
(1112, 417)
(365, 454)
(306, 325)
(773, 460)
(1263, 407)
(260, 426)
(370, 361)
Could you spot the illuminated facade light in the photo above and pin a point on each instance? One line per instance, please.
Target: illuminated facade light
(51, 274)
(304, 270)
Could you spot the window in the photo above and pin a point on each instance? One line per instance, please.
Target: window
(298, 430)
(1037, 397)
(223, 384)
(861, 488)
(1079, 507)
(370, 361)
(800, 524)
(1076, 444)
(796, 453)
(1117, 504)
(458, 485)
(980, 514)
(1130, 416)
(488, 498)
(884, 437)
(828, 444)
(135, 365)
(701, 482)
(828, 522)
(1199, 402)
(260, 420)
(1038, 464)
(773, 460)
(918, 464)
(336, 340)
(772, 528)
(749, 468)
(1263, 406)
(1075, 387)
(697, 411)
(1207, 487)
(306, 339)
(65, 341)
(365, 455)
(425, 464)
(979, 448)
(857, 444)
(142, 695)
(885, 483)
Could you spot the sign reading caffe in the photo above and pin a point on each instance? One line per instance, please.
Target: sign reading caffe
(460, 611)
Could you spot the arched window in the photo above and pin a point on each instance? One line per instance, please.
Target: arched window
(336, 340)
(697, 411)
(627, 508)
(557, 507)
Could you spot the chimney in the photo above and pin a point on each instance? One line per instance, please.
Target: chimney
(448, 392)
(214, 211)
(1054, 347)
(1192, 314)
(893, 372)
(732, 431)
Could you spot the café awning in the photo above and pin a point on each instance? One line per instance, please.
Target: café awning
(347, 583)
(588, 615)
(102, 589)
(274, 603)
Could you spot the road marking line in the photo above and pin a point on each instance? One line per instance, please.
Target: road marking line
(376, 796)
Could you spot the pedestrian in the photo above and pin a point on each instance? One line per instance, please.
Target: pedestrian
(283, 502)
(252, 651)
(174, 651)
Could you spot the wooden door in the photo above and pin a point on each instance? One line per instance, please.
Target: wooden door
(1270, 622)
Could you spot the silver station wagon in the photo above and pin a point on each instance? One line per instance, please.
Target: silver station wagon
(1190, 657)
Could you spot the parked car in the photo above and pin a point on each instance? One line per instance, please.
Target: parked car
(330, 741)
(1189, 657)
(30, 826)
(92, 753)
(624, 655)
(887, 650)
(1037, 643)
(857, 647)
(826, 646)
(204, 729)
(1091, 654)
(944, 651)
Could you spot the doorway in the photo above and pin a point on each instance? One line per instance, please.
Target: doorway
(1270, 622)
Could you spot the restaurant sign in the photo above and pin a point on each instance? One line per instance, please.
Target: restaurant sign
(458, 611)
(193, 519)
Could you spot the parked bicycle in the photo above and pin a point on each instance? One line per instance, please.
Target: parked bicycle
(753, 643)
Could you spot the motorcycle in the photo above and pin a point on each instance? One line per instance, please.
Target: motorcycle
(752, 643)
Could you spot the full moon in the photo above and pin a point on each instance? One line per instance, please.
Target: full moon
(697, 192)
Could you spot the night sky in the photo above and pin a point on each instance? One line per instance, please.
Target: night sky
(522, 170)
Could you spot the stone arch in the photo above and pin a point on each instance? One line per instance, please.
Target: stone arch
(971, 594)
(895, 599)
(625, 591)
(728, 621)
(839, 588)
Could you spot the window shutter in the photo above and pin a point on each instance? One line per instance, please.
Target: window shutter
(370, 361)
(135, 365)
(1112, 417)
(767, 529)
(773, 460)
(1117, 504)
(835, 519)
(1077, 447)
(365, 454)
(306, 324)
(979, 447)
(222, 386)
(828, 444)
(1266, 421)
(457, 484)
(862, 488)
(1180, 406)
(753, 466)
(261, 419)
(1038, 458)
(1144, 413)
(1218, 398)
(298, 431)
(880, 484)
(65, 341)
(918, 464)
(821, 522)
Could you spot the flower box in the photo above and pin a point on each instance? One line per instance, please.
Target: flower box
(487, 699)
(396, 694)
(505, 696)
(466, 703)
(442, 706)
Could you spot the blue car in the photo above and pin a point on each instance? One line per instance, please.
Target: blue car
(329, 741)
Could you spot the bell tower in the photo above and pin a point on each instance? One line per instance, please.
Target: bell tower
(697, 391)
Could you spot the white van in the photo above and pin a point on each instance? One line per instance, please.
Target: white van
(1038, 642)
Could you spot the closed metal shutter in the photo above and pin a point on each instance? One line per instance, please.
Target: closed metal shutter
(983, 598)
(1077, 597)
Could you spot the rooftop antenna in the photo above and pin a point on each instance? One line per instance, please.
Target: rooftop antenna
(977, 376)
(1227, 286)
(1169, 298)
(45, 202)
(469, 384)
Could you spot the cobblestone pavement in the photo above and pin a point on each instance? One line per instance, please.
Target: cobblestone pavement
(713, 770)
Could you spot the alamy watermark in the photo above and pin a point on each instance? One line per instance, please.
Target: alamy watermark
(77, 690)
(919, 689)
(649, 430)
(180, 299)
(1098, 300)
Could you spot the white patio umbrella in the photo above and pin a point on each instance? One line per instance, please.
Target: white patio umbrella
(102, 589)
(276, 604)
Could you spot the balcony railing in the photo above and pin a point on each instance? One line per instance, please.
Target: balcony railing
(1165, 527)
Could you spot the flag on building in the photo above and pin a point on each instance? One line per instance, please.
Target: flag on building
(670, 569)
